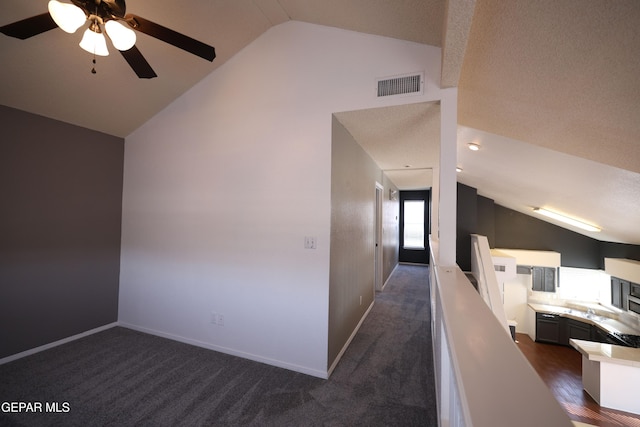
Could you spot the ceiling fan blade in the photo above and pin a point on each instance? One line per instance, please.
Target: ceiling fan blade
(29, 27)
(138, 63)
(172, 37)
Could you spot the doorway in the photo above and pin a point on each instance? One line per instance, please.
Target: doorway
(414, 226)
(378, 259)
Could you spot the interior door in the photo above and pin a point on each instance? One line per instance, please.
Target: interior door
(414, 227)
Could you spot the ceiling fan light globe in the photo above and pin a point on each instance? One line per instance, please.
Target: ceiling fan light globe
(94, 43)
(123, 38)
(68, 17)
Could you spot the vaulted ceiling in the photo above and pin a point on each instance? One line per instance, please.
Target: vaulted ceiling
(548, 88)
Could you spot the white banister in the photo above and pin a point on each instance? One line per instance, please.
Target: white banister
(483, 270)
(482, 379)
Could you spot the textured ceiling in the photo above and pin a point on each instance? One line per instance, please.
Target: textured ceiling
(560, 74)
(391, 147)
(549, 88)
(415, 20)
(524, 176)
(404, 140)
(116, 102)
(50, 75)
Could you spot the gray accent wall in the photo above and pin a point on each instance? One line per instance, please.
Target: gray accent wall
(353, 182)
(506, 228)
(60, 220)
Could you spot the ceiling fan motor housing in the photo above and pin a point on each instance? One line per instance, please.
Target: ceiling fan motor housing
(103, 9)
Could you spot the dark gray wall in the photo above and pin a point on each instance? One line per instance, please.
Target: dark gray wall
(506, 228)
(486, 219)
(515, 230)
(619, 250)
(60, 218)
(476, 215)
(466, 224)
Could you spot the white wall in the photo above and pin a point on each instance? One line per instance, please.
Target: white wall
(516, 294)
(221, 187)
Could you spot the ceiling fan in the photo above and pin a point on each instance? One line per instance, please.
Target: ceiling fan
(110, 14)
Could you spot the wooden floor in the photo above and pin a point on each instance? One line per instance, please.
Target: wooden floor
(561, 369)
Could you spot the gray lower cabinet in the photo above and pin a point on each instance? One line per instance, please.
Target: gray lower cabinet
(555, 329)
(551, 328)
(578, 330)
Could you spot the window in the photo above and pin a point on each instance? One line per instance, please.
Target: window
(413, 224)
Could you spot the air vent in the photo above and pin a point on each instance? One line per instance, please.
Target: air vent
(401, 85)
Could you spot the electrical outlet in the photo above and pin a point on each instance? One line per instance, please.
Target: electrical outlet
(220, 320)
(310, 242)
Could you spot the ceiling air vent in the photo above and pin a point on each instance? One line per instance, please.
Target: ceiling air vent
(400, 85)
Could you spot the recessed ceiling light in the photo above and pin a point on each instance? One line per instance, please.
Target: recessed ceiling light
(566, 219)
(458, 169)
(473, 146)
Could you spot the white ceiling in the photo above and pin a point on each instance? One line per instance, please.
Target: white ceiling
(404, 140)
(549, 88)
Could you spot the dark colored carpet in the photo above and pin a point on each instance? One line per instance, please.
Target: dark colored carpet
(121, 377)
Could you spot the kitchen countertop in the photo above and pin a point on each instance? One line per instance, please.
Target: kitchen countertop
(608, 353)
(607, 324)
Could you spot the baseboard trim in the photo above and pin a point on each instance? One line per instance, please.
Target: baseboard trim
(388, 278)
(230, 351)
(346, 345)
(56, 343)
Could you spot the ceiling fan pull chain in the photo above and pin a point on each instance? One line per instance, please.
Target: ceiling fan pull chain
(93, 70)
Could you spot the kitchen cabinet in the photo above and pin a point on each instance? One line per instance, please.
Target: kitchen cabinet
(551, 328)
(543, 279)
(578, 330)
(620, 290)
(558, 326)
(616, 293)
(556, 329)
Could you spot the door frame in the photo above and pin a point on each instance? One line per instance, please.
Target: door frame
(378, 257)
(415, 256)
